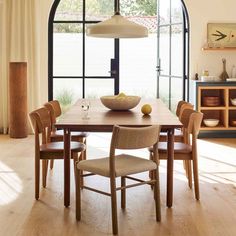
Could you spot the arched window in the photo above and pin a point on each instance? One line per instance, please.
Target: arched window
(81, 66)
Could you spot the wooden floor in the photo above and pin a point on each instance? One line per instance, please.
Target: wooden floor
(214, 214)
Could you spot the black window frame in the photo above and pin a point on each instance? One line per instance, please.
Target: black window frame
(114, 62)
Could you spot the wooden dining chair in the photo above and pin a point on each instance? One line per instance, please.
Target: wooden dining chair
(186, 150)
(122, 166)
(54, 109)
(182, 105)
(44, 148)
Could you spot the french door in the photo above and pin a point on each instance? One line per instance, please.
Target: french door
(81, 66)
(172, 52)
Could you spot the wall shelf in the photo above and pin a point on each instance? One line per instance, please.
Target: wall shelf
(219, 49)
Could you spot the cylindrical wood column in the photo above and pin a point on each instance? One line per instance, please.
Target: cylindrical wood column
(18, 100)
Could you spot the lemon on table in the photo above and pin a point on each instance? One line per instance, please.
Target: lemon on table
(146, 109)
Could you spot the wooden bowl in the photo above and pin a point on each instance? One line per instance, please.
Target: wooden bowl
(117, 103)
(232, 122)
(212, 101)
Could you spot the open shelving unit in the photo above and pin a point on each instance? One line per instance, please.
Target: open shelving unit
(225, 111)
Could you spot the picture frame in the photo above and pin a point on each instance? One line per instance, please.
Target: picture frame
(221, 35)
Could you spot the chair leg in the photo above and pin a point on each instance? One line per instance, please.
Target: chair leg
(196, 180)
(37, 179)
(189, 168)
(184, 165)
(77, 194)
(51, 164)
(44, 171)
(157, 195)
(85, 151)
(114, 206)
(81, 157)
(123, 193)
(74, 163)
(151, 173)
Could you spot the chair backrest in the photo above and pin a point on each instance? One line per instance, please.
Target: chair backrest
(191, 121)
(182, 105)
(134, 137)
(55, 111)
(41, 123)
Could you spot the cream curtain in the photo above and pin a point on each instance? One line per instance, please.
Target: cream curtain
(23, 37)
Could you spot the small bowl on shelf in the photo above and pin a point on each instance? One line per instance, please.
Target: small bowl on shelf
(232, 123)
(233, 101)
(211, 122)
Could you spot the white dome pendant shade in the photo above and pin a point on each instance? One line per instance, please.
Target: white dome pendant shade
(117, 27)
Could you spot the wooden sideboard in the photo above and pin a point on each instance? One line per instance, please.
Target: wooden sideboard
(225, 111)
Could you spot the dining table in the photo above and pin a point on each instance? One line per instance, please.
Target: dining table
(102, 119)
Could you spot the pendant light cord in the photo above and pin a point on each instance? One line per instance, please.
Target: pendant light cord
(117, 7)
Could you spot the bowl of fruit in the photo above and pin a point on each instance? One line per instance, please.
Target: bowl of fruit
(120, 102)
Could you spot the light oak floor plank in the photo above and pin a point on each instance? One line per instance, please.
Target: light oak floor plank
(213, 215)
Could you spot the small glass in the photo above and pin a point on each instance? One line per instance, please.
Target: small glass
(85, 105)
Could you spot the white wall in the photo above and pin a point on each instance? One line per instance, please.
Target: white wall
(202, 12)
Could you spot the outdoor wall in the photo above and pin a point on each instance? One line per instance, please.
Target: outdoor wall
(202, 12)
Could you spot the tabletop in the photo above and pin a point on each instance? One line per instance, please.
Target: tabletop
(102, 119)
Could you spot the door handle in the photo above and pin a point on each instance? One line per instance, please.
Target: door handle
(158, 69)
(112, 72)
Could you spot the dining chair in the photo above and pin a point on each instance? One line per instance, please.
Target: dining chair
(122, 166)
(44, 148)
(178, 136)
(55, 111)
(186, 150)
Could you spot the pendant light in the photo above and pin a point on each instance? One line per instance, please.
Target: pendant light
(117, 27)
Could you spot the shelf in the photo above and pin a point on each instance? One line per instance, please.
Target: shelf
(225, 112)
(213, 108)
(232, 128)
(218, 127)
(232, 107)
(219, 49)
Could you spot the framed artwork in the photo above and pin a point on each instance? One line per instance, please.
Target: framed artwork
(221, 35)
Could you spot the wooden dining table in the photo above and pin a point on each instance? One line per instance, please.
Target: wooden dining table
(101, 119)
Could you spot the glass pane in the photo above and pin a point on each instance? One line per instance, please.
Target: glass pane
(99, 9)
(67, 91)
(177, 50)
(138, 59)
(141, 12)
(164, 89)
(69, 10)
(176, 92)
(176, 11)
(164, 49)
(67, 50)
(138, 8)
(164, 11)
(99, 52)
(95, 88)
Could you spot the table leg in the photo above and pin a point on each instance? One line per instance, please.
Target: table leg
(67, 156)
(170, 164)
